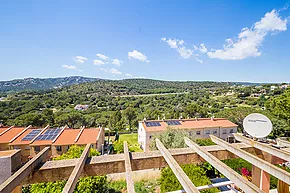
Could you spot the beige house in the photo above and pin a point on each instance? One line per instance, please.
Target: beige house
(196, 128)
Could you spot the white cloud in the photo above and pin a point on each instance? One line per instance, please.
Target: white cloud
(79, 59)
(115, 71)
(71, 67)
(112, 70)
(178, 45)
(138, 56)
(250, 39)
(130, 75)
(197, 59)
(98, 62)
(102, 56)
(117, 62)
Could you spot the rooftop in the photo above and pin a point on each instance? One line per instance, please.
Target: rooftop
(199, 123)
(9, 133)
(89, 136)
(26, 137)
(67, 137)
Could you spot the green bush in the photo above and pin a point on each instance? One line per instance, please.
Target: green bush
(146, 186)
(204, 142)
(196, 174)
(237, 164)
(76, 151)
(120, 185)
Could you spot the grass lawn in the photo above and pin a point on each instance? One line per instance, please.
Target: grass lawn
(132, 141)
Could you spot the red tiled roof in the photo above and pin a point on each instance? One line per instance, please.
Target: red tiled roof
(10, 134)
(18, 140)
(67, 137)
(191, 124)
(88, 136)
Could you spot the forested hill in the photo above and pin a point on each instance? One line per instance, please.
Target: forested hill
(141, 86)
(42, 83)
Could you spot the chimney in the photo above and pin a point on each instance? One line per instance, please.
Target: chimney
(144, 119)
(158, 117)
(180, 117)
(196, 118)
(163, 116)
(212, 118)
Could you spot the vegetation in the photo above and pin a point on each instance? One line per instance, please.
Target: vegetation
(132, 142)
(196, 174)
(171, 138)
(76, 151)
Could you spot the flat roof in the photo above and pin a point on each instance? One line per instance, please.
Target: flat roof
(199, 123)
(8, 153)
(10, 134)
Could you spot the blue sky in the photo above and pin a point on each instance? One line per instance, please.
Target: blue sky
(168, 40)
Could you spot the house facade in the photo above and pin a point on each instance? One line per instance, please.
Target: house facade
(197, 128)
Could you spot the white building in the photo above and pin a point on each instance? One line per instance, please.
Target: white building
(196, 128)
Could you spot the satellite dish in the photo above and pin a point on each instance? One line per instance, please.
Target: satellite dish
(257, 125)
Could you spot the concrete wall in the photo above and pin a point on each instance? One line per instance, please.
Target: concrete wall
(8, 164)
(101, 140)
(25, 151)
(142, 136)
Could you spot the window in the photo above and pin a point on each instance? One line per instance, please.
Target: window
(207, 132)
(92, 145)
(36, 148)
(27, 147)
(58, 148)
(224, 131)
(231, 131)
(215, 131)
(197, 132)
(16, 147)
(190, 133)
(150, 136)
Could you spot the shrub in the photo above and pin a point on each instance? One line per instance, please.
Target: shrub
(196, 174)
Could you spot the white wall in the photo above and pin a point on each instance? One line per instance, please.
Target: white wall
(145, 138)
(141, 136)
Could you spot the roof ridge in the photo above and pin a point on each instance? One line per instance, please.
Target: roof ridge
(6, 130)
(79, 135)
(18, 135)
(47, 126)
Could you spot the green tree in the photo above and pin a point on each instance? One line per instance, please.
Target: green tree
(171, 138)
(34, 119)
(130, 116)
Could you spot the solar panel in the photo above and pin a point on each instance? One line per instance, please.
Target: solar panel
(49, 134)
(31, 135)
(152, 124)
(173, 123)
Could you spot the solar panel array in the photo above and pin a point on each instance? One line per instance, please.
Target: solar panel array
(49, 134)
(152, 124)
(173, 123)
(31, 135)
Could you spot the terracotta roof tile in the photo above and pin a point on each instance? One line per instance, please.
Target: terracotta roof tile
(88, 136)
(18, 140)
(191, 124)
(10, 134)
(67, 137)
